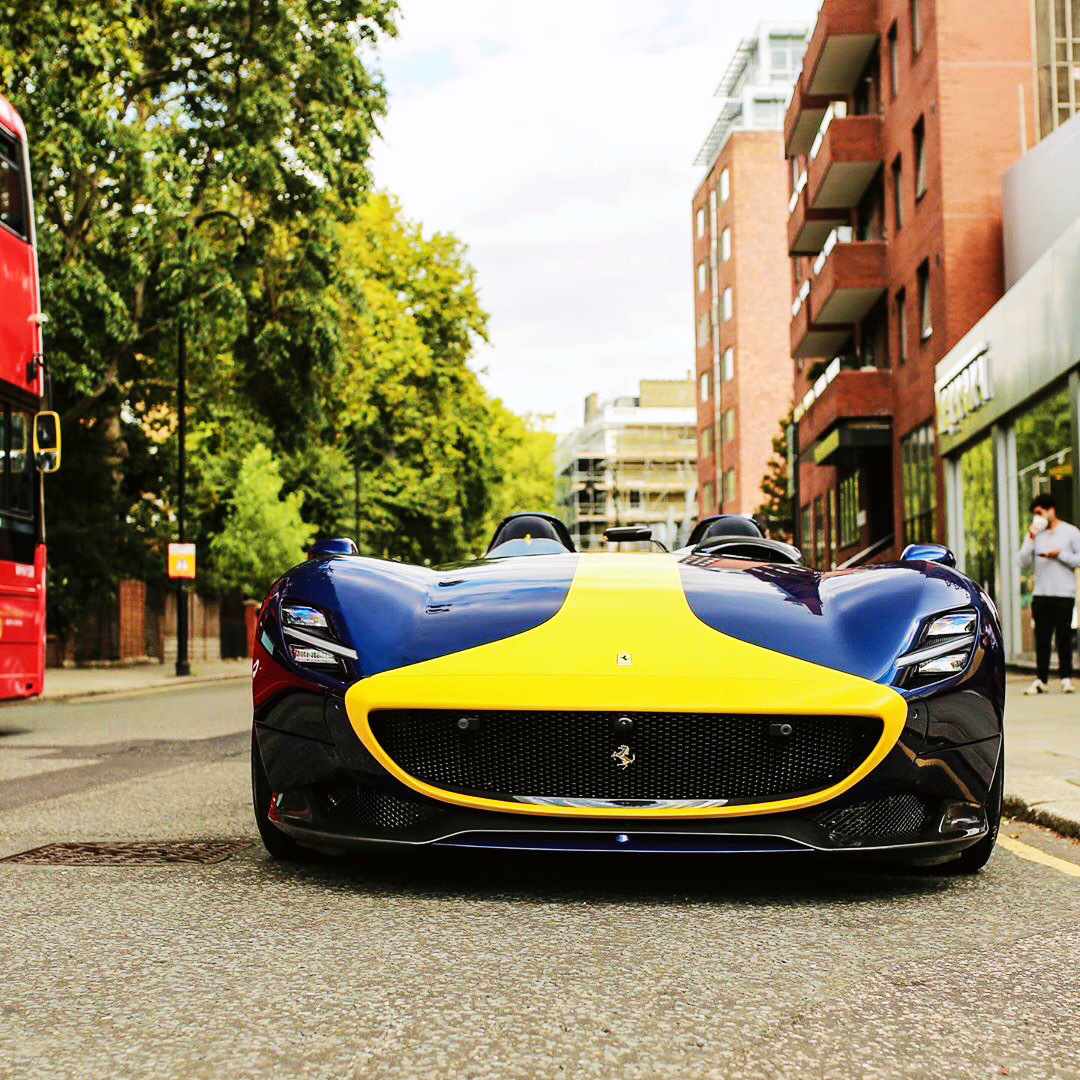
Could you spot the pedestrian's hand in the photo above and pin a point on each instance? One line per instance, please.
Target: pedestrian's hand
(1052, 554)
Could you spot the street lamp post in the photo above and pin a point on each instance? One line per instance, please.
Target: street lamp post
(183, 667)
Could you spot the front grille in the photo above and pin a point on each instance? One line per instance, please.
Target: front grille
(676, 755)
(892, 818)
(370, 808)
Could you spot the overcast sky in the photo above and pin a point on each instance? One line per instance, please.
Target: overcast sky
(557, 140)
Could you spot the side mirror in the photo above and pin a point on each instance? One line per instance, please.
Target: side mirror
(618, 533)
(342, 545)
(928, 553)
(47, 441)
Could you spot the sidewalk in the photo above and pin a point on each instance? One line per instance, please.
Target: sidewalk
(1042, 754)
(63, 683)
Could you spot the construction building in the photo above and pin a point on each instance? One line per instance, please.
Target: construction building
(632, 462)
(741, 272)
(904, 119)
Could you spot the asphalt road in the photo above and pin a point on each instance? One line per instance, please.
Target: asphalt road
(501, 967)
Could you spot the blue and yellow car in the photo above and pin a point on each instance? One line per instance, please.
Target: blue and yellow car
(721, 698)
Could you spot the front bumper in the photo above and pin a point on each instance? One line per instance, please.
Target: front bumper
(925, 800)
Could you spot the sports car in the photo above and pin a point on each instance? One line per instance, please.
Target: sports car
(722, 698)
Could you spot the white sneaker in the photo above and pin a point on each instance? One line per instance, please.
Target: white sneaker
(1067, 686)
(1037, 687)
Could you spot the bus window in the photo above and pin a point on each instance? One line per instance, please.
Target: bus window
(12, 193)
(21, 490)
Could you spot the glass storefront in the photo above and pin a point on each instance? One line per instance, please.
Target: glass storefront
(1044, 464)
(979, 515)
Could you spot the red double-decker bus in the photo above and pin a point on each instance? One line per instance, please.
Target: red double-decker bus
(22, 533)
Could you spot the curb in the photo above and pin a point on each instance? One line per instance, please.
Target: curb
(1042, 813)
(176, 683)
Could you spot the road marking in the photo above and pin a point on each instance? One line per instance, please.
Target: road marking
(1033, 854)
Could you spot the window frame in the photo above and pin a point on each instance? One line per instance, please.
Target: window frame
(702, 277)
(898, 192)
(724, 185)
(918, 138)
(727, 304)
(926, 307)
(727, 361)
(700, 222)
(914, 10)
(894, 60)
(725, 243)
(900, 312)
(12, 161)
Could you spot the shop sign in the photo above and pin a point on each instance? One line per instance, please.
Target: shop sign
(964, 390)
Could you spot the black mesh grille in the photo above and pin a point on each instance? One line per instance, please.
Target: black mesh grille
(370, 808)
(676, 755)
(890, 818)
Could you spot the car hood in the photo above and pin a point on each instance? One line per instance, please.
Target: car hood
(856, 621)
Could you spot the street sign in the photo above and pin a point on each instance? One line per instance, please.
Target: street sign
(181, 560)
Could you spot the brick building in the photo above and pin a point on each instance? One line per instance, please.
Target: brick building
(900, 127)
(741, 270)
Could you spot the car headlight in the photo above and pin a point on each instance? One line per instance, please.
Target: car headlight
(945, 648)
(313, 643)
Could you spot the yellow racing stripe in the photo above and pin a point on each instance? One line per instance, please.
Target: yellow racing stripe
(625, 639)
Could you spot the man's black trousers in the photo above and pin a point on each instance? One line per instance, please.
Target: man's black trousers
(1053, 618)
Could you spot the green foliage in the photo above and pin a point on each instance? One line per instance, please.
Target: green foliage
(776, 509)
(527, 452)
(263, 533)
(204, 164)
(419, 423)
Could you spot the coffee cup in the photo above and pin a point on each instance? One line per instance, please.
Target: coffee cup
(1038, 523)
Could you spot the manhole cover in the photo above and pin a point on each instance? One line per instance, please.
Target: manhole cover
(130, 854)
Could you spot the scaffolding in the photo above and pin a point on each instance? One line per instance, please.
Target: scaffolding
(631, 464)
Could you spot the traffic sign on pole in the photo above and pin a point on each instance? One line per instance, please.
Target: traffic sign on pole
(181, 560)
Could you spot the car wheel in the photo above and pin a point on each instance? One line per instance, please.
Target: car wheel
(274, 840)
(971, 860)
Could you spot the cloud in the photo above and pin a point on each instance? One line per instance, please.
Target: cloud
(557, 141)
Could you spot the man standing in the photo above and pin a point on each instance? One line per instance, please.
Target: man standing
(1053, 546)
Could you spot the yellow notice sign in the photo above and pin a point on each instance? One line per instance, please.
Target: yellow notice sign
(181, 560)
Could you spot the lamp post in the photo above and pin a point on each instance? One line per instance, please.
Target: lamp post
(183, 667)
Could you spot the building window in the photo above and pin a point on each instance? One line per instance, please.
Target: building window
(729, 486)
(806, 532)
(701, 222)
(729, 364)
(894, 61)
(725, 185)
(926, 326)
(917, 456)
(635, 500)
(700, 277)
(901, 326)
(919, 135)
(725, 245)
(707, 498)
(729, 425)
(848, 523)
(819, 533)
(728, 307)
(704, 386)
(706, 441)
(703, 330)
(916, 28)
(898, 192)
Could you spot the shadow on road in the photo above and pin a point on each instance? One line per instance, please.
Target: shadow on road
(779, 880)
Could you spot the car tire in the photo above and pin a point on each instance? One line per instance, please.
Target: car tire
(971, 860)
(274, 840)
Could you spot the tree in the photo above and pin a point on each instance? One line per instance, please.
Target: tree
(263, 533)
(526, 451)
(776, 510)
(421, 429)
(190, 160)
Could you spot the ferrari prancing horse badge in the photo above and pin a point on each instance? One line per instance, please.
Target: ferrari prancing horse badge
(622, 756)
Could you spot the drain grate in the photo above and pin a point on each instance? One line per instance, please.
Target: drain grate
(131, 854)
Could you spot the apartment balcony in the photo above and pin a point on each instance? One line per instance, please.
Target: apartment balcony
(844, 36)
(809, 229)
(843, 39)
(844, 159)
(845, 414)
(849, 279)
